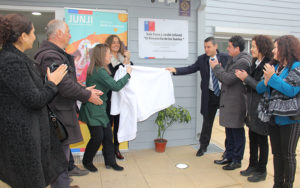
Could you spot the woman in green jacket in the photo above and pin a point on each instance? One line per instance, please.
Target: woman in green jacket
(95, 116)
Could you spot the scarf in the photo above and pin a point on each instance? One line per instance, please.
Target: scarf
(117, 61)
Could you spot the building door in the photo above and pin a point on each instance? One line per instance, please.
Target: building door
(39, 20)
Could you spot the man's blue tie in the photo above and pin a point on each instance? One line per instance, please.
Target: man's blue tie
(215, 83)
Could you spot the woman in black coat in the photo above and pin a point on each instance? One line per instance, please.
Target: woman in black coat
(258, 131)
(31, 154)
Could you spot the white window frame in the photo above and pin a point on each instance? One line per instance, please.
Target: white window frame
(247, 40)
(246, 33)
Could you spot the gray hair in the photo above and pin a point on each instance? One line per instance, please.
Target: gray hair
(53, 26)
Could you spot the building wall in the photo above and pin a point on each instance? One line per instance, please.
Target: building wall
(273, 15)
(185, 86)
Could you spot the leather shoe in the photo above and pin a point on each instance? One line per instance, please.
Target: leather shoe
(248, 172)
(90, 167)
(200, 152)
(119, 155)
(232, 166)
(222, 161)
(115, 167)
(74, 186)
(257, 177)
(78, 172)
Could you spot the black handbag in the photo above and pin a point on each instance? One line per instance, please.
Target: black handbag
(263, 108)
(59, 127)
(285, 106)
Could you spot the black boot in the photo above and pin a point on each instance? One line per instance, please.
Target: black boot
(232, 166)
(90, 167)
(257, 177)
(115, 167)
(223, 161)
(200, 152)
(248, 172)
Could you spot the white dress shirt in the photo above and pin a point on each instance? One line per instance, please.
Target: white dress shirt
(211, 85)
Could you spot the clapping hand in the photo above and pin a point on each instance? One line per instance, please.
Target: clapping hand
(98, 92)
(241, 74)
(269, 70)
(95, 95)
(57, 76)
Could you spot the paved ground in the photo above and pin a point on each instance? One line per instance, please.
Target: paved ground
(148, 169)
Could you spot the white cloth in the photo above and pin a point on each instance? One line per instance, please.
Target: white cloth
(149, 90)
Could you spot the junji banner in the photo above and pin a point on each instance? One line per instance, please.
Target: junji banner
(89, 28)
(161, 38)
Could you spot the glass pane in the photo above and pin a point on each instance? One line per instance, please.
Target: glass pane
(223, 43)
(39, 23)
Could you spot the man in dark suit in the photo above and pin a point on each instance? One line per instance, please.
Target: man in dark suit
(69, 90)
(209, 85)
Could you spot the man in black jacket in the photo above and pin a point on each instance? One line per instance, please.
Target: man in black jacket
(69, 90)
(210, 88)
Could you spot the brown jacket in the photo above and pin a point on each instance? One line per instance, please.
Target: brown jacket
(69, 90)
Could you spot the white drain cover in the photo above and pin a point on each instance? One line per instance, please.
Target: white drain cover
(182, 165)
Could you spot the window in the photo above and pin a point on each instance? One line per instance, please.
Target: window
(223, 43)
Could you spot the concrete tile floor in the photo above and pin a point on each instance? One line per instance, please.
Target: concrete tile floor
(148, 169)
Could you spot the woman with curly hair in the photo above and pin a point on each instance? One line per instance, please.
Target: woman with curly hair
(261, 50)
(282, 84)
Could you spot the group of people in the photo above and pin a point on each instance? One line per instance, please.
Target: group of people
(31, 153)
(246, 90)
(258, 91)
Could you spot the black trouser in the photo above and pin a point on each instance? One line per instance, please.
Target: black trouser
(208, 121)
(100, 134)
(260, 142)
(284, 139)
(115, 121)
(71, 162)
(235, 146)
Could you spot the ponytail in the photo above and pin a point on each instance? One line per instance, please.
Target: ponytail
(5, 30)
